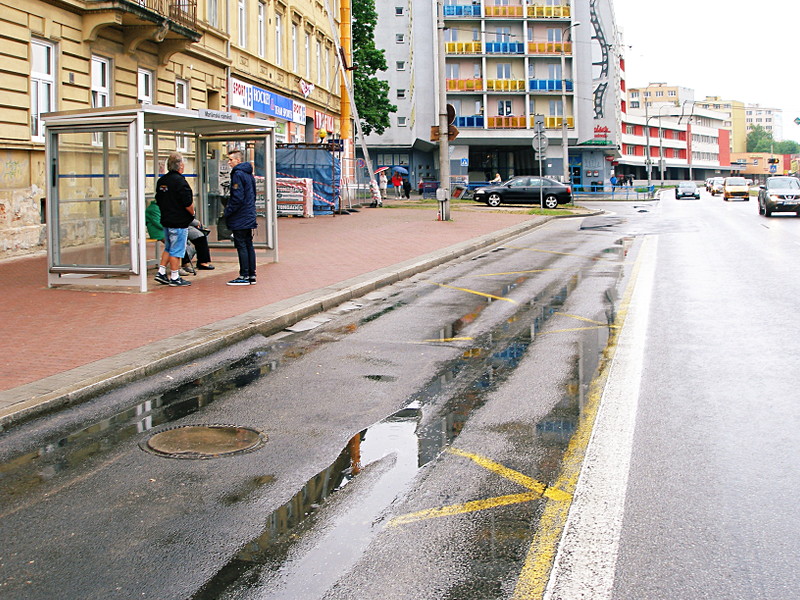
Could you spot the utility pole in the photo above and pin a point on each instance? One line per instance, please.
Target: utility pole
(564, 141)
(443, 193)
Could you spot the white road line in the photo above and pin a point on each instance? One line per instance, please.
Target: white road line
(586, 560)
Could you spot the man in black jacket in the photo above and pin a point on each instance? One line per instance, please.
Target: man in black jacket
(175, 199)
(240, 216)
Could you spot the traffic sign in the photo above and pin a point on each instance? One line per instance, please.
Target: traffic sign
(773, 169)
(797, 121)
(539, 142)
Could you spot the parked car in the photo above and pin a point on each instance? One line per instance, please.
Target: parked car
(525, 189)
(687, 189)
(780, 194)
(717, 185)
(735, 187)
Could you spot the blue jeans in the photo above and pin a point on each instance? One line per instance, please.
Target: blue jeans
(243, 241)
(175, 241)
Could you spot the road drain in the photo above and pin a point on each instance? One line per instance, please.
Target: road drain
(204, 441)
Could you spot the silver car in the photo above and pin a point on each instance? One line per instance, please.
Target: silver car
(687, 189)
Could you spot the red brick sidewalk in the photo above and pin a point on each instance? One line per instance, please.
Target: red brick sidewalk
(49, 331)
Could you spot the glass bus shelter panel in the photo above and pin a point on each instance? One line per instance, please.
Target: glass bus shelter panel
(92, 194)
(156, 165)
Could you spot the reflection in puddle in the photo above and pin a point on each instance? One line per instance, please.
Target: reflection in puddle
(277, 564)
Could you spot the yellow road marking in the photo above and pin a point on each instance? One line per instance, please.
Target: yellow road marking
(559, 253)
(467, 507)
(474, 292)
(583, 319)
(515, 272)
(535, 572)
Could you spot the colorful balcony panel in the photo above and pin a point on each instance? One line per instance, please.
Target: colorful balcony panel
(505, 85)
(538, 11)
(505, 47)
(463, 47)
(467, 10)
(503, 11)
(549, 47)
(507, 123)
(469, 122)
(465, 85)
(547, 85)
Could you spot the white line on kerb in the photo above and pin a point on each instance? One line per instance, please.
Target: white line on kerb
(586, 560)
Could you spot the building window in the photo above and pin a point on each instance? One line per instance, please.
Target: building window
(400, 38)
(279, 39)
(634, 94)
(146, 97)
(213, 13)
(672, 93)
(308, 55)
(401, 121)
(450, 34)
(401, 93)
(556, 108)
(182, 101)
(504, 108)
(659, 94)
(295, 65)
(554, 35)
(630, 129)
(43, 84)
(400, 65)
(327, 68)
(502, 34)
(453, 70)
(553, 71)
(504, 70)
(242, 22)
(399, 11)
(262, 29)
(319, 62)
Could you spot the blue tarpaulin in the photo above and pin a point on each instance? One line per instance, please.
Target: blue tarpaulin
(317, 164)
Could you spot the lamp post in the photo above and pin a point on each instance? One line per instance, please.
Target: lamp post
(661, 162)
(564, 143)
(443, 193)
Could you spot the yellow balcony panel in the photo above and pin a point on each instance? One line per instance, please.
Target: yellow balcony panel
(503, 11)
(555, 122)
(462, 47)
(549, 12)
(505, 85)
(506, 122)
(549, 47)
(464, 85)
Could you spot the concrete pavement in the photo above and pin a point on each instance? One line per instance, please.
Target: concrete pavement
(63, 346)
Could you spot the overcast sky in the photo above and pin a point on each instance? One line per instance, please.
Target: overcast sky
(730, 48)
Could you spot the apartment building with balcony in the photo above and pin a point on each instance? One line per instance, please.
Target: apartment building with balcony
(508, 62)
(734, 111)
(771, 119)
(62, 55)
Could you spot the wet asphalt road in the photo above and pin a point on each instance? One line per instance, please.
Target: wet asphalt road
(456, 395)
(461, 385)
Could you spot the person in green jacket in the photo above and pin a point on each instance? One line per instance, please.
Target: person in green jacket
(152, 219)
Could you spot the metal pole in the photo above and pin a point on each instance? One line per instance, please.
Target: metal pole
(443, 193)
(564, 141)
(647, 161)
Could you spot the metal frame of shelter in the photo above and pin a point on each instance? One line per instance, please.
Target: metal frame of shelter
(96, 183)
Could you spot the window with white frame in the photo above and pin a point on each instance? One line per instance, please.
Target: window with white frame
(400, 38)
(146, 97)
(400, 65)
(279, 39)
(401, 93)
(556, 108)
(502, 34)
(554, 35)
(43, 84)
(295, 57)
(554, 71)
(504, 108)
(504, 70)
(452, 70)
(213, 13)
(450, 34)
(401, 122)
(262, 29)
(101, 88)
(308, 55)
(241, 20)
(327, 68)
(399, 11)
(182, 101)
(476, 34)
(319, 62)
(476, 70)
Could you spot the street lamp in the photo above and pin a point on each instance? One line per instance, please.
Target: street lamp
(661, 161)
(564, 145)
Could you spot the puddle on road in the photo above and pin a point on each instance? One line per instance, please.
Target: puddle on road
(270, 566)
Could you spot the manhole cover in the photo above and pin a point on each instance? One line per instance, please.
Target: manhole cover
(204, 441)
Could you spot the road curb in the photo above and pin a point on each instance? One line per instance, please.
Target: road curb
(83, 383)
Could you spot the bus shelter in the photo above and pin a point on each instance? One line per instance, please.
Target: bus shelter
(102, 166)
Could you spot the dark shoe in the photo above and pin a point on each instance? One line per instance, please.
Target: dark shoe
(240, 281)
(253, 280)
(179, 282)
(162, 278)
(205, 267)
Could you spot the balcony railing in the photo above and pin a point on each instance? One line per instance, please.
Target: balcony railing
(181, 12)
(503, 11)
(538, 11)
(469, 122)
(549, 47)
(463, 47)
(465, 85)
(466, 10)
(547, 85)
(505, 47)
(505, 85)
(555, 122)
(507, 122)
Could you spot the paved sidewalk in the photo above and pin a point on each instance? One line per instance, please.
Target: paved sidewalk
(65, 345)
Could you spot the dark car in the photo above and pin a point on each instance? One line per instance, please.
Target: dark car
(780, 194)
(687, 189)
(525, 189)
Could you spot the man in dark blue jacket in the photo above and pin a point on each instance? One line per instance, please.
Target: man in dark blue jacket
(240, 216)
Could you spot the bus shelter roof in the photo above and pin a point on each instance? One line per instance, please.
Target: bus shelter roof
(167, 118)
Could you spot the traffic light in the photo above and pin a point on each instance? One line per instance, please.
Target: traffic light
(773, 161)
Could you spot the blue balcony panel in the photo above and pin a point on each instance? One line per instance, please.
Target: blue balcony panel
(547, 85)
(505, 48)
(466, 122)
(468, 10)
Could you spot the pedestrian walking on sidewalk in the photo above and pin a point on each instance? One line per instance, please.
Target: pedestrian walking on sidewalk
(397, 182)
(406, 188)
(383, 182)
(176, 203)
(240, 215)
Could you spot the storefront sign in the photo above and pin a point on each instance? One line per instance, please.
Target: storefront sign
(250, 97)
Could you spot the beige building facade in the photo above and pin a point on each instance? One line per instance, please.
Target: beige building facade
(735, 122)
(194, 54)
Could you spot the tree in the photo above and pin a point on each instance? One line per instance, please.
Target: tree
(371, 94)
(759, 140)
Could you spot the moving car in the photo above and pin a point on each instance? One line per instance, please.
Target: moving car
(687, 189)
(717, 184)
(525, 189)
(780, 194)
(735, 187)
